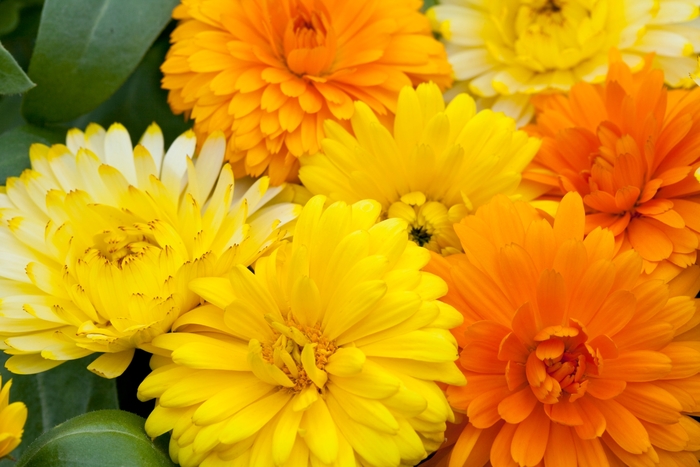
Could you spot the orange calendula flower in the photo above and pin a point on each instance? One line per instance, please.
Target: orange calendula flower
(630, 148)
(268, 73)
(572, 356)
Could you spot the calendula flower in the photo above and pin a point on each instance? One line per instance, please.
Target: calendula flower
(268, 73)
(327, 355)
(100, 241)
(572, 356)
(508, 50)
(437, 166)
(12, 419)
(629, 147)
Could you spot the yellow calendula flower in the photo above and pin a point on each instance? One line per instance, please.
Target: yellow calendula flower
(439, 164)
(326, 356)
(12, 419)
(100, 241)
(507, 50)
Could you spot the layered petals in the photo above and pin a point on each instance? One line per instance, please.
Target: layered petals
(101, 240)
(584, 359)
(268, 73)
(509, 50)
(329, 353)
(437, 165)
(628, 147)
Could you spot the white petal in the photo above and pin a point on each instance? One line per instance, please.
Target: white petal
(75, 139)
(95, 140)
(119, 153)
(209, 162)
(152, 140)
(175, 161)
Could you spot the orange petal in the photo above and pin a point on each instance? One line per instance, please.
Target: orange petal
(648, 240)
(614, 314)
(501, 450)
(531, 438)
(624, 427)
(517, 407)
(570, 218)
(511, 349)
(637, 366)
(564, 412)
(560, 450)
(651, 403)
(604, 389)
(593, 420)
(551, 298)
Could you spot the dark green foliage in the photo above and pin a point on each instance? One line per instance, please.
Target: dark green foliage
(107, 438)
(56, 396)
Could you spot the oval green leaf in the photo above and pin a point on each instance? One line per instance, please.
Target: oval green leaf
(85, 50)
(106, 438)
(13, 80)
(57, 395)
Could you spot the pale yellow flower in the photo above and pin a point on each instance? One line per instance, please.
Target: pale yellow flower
(507, 50)
(100, 241)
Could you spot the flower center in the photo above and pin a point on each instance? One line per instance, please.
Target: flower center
(548, 35)
(123, 244)
(429, 222)
(560, 364)
(300, 351)
(307, 43)
(309, 31)
(547, 6)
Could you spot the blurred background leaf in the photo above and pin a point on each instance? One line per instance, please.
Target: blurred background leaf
(108, 438)
(10, 13)
(85, 50)
(57, 395)
(13, 80)
(15, 145)
(141, 101)
(427, 4)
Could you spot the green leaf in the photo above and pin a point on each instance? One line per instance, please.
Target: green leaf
(10, 13)
(10, 115)
(14, 147)
(85, 50)
(57, 395)
(107, 438)
(427, 4)
(13, 80)
(141, 101)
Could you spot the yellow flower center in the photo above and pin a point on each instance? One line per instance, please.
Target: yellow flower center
(123, 244)
(429, 222)
(551, 35)
(287, 352)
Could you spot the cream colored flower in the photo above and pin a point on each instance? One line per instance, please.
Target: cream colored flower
(506, 50)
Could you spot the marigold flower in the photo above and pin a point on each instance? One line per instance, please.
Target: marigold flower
(99, 242)
(437, 166)
(12, 419)
(268, 73)
(630, 148)
(572, 356)
(327, 355)
(508, 50)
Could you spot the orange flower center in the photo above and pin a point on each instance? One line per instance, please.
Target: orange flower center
(308, 42)
(560, 364)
